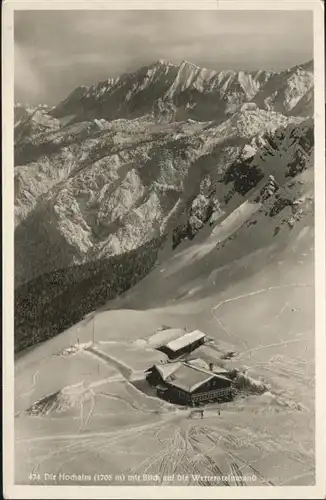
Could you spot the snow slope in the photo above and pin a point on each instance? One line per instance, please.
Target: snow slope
(171, 198)
(252, 294)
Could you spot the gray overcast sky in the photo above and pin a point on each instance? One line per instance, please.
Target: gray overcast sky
(55, 51)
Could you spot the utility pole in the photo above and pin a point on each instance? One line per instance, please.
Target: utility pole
(94, 330)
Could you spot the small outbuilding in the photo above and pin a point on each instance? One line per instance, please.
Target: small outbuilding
(184, 344)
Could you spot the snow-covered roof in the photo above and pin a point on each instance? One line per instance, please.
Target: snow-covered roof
(198, 362)
(186, 376)
(216, 372)
(186, 339)
(189, 378)
(163, 336)
(167, 369)
(202, 364)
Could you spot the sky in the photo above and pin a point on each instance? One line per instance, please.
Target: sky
(56, 51)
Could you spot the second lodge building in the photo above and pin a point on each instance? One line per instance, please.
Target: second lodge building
(184, 344)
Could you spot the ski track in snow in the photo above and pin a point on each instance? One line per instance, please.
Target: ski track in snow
(178, 452)
(251, 294)
(99, 434)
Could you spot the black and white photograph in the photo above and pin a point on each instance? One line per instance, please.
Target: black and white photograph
(164, 248)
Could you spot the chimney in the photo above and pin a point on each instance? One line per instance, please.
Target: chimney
(211, 367)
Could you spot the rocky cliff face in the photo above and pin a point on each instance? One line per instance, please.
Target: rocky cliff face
(151, 155)
(108, 191)
(289, 92)
(172, 92)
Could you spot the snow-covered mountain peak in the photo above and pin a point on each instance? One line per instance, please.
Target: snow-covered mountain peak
(164, 62)
(187, 91)
(186, 63)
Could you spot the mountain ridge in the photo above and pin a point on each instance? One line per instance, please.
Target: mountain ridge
(170, 82)
(89, 188)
